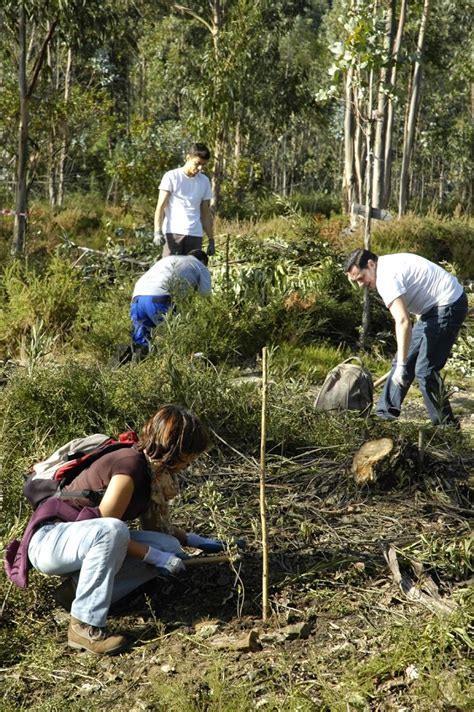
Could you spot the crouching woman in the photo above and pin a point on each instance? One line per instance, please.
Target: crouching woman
(105, 559)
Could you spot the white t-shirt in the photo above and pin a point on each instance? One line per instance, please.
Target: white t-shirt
(183, 211)
(422, 283)
(167, 272)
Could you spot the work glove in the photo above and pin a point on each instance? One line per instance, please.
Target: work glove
(400, 375)
(211, 248)
(210, 546)
(159, 238)
(165, 562)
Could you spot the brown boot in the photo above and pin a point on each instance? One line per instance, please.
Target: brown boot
(83, 636)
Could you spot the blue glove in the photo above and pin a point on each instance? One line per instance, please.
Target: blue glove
(165, 562)
(210, 546)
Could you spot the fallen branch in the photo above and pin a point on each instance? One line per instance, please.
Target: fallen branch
(100, 253)
(195, 561)
(429, 598)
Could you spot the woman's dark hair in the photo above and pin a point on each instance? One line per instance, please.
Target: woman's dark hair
(359, 258)
(171, 434)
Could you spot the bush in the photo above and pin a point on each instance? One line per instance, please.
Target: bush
(30, 299)
(437, 239)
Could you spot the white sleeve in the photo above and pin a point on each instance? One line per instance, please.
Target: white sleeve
(208, 192)
(166, 182)
(391, 289)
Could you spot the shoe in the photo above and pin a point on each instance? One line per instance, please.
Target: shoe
(139, 353)
(65, 594)
(82, 636)
(122, 354)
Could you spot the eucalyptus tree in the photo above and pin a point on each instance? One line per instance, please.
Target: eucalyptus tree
(30, 27)
(413, 110)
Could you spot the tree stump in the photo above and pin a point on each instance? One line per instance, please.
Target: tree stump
(383, 459)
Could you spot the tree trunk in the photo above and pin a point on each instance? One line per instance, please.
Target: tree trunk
(368, 205)
(52, 168)
(25, 93)
(381, 125)
(19, 230)
(414, 104)
(348, 186)
(65, 131)
(219, 141)
(359, 151)
(387, 179)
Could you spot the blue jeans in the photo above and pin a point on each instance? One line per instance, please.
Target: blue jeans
(145, 313)
(94, 553)
(432, 338)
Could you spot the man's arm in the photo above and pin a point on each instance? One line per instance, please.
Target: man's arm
(208, 225)
(402, 320)
(163, 198)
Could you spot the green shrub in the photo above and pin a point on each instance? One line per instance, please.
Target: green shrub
(272, 205)
(437, 239)
(30, 298)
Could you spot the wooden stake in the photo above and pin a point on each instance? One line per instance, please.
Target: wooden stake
(227, 278)
(263, 508)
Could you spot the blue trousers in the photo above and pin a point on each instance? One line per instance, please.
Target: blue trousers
(94, 553)
(145, 313)
(432, 338)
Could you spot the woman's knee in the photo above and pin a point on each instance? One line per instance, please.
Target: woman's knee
(116, 530)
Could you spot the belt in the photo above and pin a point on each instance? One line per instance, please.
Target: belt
(164, 299)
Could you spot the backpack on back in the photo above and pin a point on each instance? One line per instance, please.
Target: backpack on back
(348, 386)
(49, 477)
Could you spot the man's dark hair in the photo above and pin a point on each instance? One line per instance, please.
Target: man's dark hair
(199, 255)
(200, 150)
(359, 258)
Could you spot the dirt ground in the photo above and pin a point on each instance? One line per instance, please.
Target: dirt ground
(340, 633)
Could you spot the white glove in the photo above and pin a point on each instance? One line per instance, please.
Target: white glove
(159, 238)
(400, 375)
(163, 560)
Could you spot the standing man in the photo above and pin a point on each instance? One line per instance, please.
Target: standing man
(152, 295)
(410, 284)
(183, 211)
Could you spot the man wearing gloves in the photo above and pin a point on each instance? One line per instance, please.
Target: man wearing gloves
(183, 211)
(152, 295)
(410, 284)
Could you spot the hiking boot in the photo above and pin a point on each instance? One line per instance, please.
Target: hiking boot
(98, 641)
(65, 594)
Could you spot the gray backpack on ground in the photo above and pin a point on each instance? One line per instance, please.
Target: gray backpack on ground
(348, 386)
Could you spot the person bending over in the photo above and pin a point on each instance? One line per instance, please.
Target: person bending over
(152, 294)
(410, 284)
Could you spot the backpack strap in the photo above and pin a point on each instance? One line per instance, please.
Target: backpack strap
(352, 358)
(95, 496)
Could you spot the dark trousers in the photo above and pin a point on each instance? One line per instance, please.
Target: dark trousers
(145, 313)
(180, 244)
(432, 338)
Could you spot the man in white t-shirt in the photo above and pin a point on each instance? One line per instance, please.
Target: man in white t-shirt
(183, 212)
(153, 293)
(410, 284)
